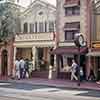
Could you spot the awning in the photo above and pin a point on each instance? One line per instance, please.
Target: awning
(69, 50)
(72, 26)
(69, 3)
(94, 53)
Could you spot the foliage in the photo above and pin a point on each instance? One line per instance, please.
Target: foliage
(8, 19)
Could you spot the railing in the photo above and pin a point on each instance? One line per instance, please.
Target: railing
(34, 37)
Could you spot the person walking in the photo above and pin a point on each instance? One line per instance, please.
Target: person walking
(22, 68)
(73, 70)
(17, 68)
(26, 72)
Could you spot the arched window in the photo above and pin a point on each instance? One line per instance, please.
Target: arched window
(51, 26)
(25, 27)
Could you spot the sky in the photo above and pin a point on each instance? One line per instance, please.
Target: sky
(25, 3)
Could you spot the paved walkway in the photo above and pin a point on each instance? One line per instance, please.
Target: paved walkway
(60, 83)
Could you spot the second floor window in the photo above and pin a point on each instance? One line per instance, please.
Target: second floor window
(69, 35)
(72, 10)
(36, 27)
(31, 28)
(41, 27)
(71, 29)
(51, 26)
(25, 27)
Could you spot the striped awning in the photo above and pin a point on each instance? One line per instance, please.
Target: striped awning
(69, 3)
(72, 26)
(69, 50)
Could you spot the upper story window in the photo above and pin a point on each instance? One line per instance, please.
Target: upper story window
(31, 28)
(72, 10)
(45, 26)
(25, 27)
(71, 29)
(51, 26)
(36, 27)
(41, 28)
(70, 34)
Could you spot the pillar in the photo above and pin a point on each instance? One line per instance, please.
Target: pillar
(0, 61)
(34, 56)
(88, 66)
(53, 69)
(14, 59)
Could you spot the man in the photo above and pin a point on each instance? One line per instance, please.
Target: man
(73, 70)
(22, 68)
(17, 68)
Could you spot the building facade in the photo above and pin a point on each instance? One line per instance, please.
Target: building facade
(37, 37)
(94, 50)
(73, 16)
(6, 48)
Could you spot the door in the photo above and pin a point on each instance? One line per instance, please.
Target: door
(4, 71)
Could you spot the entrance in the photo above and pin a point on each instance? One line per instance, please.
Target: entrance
(4, 63)
(98, 67)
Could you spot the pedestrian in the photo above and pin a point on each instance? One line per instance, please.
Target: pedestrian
(17, 68)
(22, 68)
(26, 72)
(81, 74)
(91, 76)
(73, 70)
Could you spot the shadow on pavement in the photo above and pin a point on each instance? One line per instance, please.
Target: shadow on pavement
(90, 94)
(22, 86)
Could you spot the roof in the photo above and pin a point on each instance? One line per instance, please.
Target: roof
(41, 1)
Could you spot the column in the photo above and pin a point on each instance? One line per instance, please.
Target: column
(34, 56)
(53, 69)
(88, 66)
(0, 61)
(14, 59)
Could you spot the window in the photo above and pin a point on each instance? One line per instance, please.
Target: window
(76, 10)
(25, 27)
(41, 27)
(69, 35)
(31, 28)
(72, 10)
(36, 27)
(45, 26)
(68, 11)
(51, 26)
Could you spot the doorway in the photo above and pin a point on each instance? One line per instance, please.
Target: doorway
(4, 64)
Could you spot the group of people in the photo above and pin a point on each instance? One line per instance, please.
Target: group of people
(21, 68)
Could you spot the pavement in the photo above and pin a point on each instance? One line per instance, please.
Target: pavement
(59, 83)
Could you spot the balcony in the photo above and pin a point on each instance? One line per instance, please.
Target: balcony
(34, 37)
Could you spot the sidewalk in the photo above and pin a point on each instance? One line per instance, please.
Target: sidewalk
(60, 83)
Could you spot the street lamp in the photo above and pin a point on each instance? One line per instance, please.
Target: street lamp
(79, 42)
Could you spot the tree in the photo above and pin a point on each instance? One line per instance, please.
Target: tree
(8, 21)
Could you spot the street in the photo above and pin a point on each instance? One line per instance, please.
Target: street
(26, 91)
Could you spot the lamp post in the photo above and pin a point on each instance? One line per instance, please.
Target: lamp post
(79, 42)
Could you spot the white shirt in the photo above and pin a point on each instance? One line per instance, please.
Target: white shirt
(17, 64)
(74, 66)
(22, 63)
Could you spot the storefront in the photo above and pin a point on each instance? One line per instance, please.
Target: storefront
(64, 60)
(94, 57)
